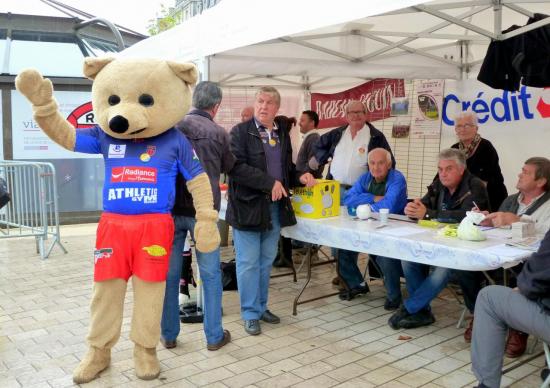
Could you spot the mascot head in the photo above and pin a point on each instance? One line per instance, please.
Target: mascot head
(139, 98)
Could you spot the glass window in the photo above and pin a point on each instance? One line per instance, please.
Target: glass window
(2, 50)
(50, 58)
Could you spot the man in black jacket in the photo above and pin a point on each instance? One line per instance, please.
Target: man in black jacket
(258, 202)
(347, 149)
(454, 192)
(211, 143)
(526, 308)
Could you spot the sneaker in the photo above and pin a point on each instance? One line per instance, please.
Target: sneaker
(225, 340)
(390, 305)
(356, 291)
(168, 344)
(419, 319)
(544, 374)
(516, 344)
(468, 331)
(252, 327)
(269, 317)
(396, 318)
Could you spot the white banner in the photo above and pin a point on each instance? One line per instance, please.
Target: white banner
(30, 142)
(426, 116)
(517, 123)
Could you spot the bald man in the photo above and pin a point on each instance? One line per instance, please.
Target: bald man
(247, 113)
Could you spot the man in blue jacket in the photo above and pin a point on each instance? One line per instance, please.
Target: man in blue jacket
(381, 188)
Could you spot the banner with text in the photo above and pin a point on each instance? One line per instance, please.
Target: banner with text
(426, 118)
(516, 123)
(30, 142)
(376, 95)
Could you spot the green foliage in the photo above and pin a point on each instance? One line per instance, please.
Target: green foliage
(164, 22)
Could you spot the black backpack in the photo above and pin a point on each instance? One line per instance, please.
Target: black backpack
(229, 275)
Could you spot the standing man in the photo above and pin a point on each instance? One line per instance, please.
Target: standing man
(211, 144)
(347, 148)
(247, 113)
(258, 202)
(309, 120)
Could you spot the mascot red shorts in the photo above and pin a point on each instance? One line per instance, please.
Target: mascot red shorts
(133, 245)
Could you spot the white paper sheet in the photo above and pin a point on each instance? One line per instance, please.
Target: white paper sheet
(505, 250)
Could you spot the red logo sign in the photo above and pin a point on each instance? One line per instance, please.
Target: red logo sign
(83, 116)
(543, 107)
(375, 94)
(134, 174)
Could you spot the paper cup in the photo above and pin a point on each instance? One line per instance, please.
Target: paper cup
(384, 215)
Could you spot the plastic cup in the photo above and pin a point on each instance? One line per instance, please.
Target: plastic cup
(384, 216)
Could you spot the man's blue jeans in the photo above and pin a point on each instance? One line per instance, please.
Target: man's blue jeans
(255, 252)
(422, 285)
(210, 275)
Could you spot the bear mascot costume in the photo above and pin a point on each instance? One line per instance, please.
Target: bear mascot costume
(136, 105)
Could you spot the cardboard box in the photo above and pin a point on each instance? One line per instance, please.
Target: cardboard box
(319, 201)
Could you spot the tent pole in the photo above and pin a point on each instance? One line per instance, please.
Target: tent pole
(203, 66)
(307, 92)
(497, 8)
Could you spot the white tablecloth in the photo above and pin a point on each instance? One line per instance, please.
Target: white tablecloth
(408, 241)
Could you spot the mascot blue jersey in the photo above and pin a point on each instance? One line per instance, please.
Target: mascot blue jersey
(140, 174)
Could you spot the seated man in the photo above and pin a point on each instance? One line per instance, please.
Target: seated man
(526, 308)
(381, 187)
(530, 204)
(452, 193)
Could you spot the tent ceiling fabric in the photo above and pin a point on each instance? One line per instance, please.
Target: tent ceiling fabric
(323, 44)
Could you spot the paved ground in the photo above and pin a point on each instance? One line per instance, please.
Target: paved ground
(44, 319)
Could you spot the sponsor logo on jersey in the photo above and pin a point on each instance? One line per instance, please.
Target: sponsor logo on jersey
(116, 151)
(133, 174)
(102, 253)
(155, 250)
(147, 195)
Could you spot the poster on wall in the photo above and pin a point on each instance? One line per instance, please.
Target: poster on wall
(1, 126)
(30, 142)
(377, 95)
(516, 123)
(426, 115)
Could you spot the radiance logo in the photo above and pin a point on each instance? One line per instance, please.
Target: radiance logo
(134, 174)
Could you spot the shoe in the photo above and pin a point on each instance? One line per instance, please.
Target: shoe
(468, 331)
(225, 340)
(252, 327)
(336, 281)
(419, 319)
(356, 291)
(269, 317)
(516, 343)
(168, 344)
(396, 318)
(390, 305)
(544, 374)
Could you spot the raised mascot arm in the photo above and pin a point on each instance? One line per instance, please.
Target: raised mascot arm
(39, 91)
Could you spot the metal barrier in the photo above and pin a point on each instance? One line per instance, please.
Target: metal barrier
(32, 210)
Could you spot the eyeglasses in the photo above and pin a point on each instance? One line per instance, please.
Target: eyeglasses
(355, 112)
(465, 126)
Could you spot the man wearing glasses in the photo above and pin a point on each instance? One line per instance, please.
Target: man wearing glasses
(346, 148)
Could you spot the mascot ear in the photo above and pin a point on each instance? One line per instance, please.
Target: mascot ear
(186, 71)
(92, 66)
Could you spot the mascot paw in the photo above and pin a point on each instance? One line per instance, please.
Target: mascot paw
(207, 236)
(146, 363)
(95, 361)
(32, 85)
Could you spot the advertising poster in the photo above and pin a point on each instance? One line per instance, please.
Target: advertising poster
(516, 123)
(30, 142)
(426, 115)
(377, 95)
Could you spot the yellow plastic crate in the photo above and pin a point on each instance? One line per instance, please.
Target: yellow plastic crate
(319, 201)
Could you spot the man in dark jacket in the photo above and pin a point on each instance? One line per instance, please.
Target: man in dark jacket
(526, 308)
(308, 128)
(211, 143)
(454, 192)
(347, 149)
(258, 202)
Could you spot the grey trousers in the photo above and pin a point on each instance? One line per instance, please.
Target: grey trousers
(497, 309)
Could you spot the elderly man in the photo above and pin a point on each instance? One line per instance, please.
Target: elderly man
(309, 120)
(382, 187)
(346, 148)
(526, 308)
(453, 192)
(247, 113)
(258, 202)
(211, 143)
(530, 204)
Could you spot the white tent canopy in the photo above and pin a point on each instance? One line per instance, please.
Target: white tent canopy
(325, 45)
